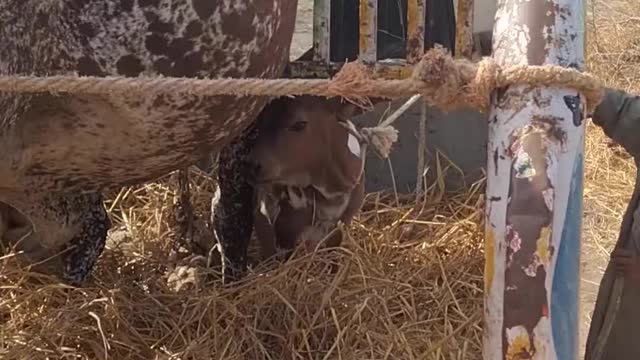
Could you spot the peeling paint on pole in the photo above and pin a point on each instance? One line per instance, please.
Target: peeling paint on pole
(534, 188)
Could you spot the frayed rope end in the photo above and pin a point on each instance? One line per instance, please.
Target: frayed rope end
(380, 138)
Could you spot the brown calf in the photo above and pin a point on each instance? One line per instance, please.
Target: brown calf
(310, 172)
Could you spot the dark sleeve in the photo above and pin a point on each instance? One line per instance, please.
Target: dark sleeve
(619, 116)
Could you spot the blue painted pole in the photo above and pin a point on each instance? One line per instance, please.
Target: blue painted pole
(534, 188)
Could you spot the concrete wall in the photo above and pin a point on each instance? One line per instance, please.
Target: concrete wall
(483, 15)
(460, 136)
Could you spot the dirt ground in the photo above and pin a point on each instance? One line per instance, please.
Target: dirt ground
(600, 215)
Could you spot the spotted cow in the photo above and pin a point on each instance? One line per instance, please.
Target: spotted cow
(58, 152)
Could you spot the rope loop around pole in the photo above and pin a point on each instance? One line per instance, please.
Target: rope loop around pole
(449, 83)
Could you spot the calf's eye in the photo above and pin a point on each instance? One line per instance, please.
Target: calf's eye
(298, 126)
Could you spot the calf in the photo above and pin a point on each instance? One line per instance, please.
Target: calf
(310, 172)
(297, 145)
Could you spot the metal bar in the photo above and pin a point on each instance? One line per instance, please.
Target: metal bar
(416, 11)
(390, 70)
(368, 31)
(464, 29)
(321, 30)
(534, 188)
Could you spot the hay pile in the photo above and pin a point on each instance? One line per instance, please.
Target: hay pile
(408, 286)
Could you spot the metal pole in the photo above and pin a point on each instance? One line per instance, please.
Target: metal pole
(368, 31)
(416, 11)
(464, 29)
(321, 30)
(534, 188)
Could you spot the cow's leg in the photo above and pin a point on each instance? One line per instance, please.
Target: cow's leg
(84, 248)
(233, 210)
(57, 235)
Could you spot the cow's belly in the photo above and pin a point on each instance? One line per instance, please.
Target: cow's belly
(86, 142)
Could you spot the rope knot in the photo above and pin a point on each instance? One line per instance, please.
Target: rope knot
(449, 83)
(437, 78)
(381, 138)
(353, 79)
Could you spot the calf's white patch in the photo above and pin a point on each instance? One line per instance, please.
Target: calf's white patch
(354, 145)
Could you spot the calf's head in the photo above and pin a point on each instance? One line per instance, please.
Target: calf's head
(302, 141)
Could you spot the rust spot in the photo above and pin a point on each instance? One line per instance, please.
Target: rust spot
(549, 124)
(367, 28)
(415, 30)
(464, 31)
(489, 251)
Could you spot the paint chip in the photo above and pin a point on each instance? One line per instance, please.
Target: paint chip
(542, 246)
(547, 194)
(518, 344)
(489, 255)
(523, 166)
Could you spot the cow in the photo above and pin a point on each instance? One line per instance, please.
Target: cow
(310, 172)
(59, 152)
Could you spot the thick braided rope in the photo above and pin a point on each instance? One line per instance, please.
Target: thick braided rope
(442, 81)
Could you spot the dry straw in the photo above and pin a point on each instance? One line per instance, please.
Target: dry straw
(408, 286)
